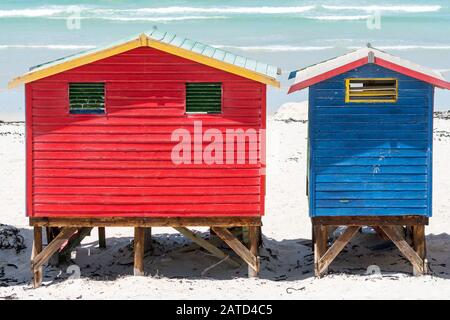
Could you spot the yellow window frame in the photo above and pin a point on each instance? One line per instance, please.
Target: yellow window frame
(347, 91)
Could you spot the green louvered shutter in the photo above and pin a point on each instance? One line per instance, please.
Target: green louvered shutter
(205, 97)
(87, 98)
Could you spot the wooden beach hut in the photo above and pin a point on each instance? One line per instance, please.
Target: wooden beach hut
(103, 128)
(369, 150)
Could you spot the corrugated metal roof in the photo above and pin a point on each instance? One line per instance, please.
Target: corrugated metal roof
(184, 43)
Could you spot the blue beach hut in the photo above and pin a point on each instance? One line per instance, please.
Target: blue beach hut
(369, 149)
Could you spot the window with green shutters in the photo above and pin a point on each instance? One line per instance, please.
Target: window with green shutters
(87, 98)
(204, 97)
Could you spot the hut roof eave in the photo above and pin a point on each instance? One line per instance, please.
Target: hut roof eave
(325, 70)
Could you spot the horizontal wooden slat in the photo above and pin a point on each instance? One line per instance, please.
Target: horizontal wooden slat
(375, 152)
(116, 138)
(369, 211)
(402, 195)
(382, 161)
(60, 93)
(123, 155)
(133, 164)
(240, 148)
(80, 76)
(370, 186)
(371, 169)
(235, 86)
(403, 118)
(149, 173)
(390, 110)
(339, 102)
(148, 208)
(128, 112)
(147, 182)
(130, 129)
(375, 144)
(371, 203)
(149, 121)
(147, 191)
(148, 67)
(138, 200)
(370, 127)
(371, 178)
(373, 135)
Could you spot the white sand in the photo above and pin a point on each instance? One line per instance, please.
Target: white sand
(286, 256)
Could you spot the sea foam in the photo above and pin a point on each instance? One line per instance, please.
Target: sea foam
(405, 8)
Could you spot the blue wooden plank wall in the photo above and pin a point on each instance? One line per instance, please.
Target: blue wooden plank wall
(370, 158)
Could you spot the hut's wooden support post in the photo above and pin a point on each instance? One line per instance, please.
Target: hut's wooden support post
(139, 250)
(409, 253)
(101, 237)
(36, 250)
(207, 246)
(419, 243)
(254, 237)
(320, 245)
(240, 249)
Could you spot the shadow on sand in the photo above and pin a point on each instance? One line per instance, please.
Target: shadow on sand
(173, 257)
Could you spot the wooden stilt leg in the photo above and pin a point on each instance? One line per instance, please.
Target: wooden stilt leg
(148, 243)
(419, 243)
(101, 237)
(254, 238)
(139, 242)
(37, 248)
(320, 247)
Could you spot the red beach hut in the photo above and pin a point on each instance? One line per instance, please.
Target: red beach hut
(156, 130)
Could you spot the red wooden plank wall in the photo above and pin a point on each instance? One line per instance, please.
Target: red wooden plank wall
(119, 164)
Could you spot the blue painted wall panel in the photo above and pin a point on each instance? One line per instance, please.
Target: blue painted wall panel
(370, 158)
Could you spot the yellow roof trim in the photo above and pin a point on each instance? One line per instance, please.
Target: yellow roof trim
(142, 41)
(89, 58)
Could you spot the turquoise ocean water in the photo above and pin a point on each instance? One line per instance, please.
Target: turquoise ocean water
(290, 34)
